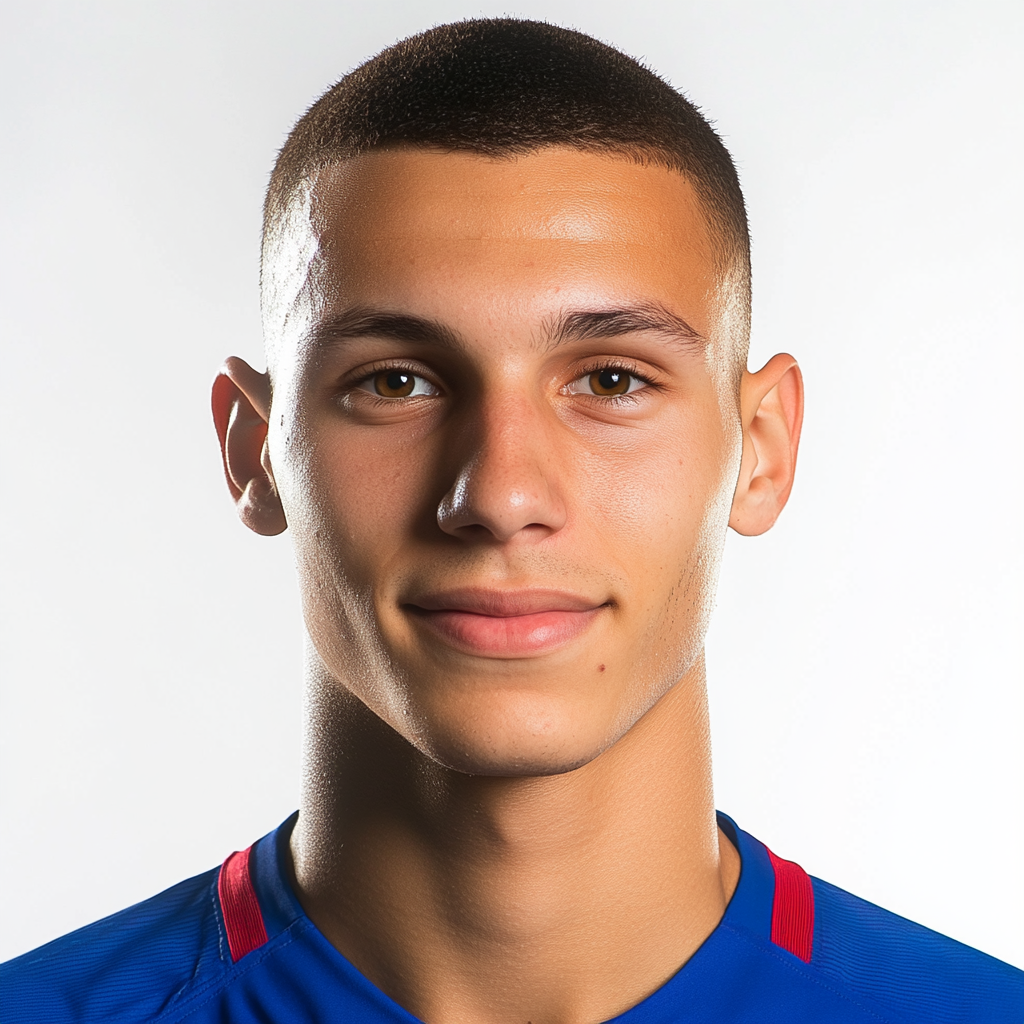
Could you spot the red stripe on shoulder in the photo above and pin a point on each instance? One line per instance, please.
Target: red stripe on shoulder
(243, 919)
(792, 908)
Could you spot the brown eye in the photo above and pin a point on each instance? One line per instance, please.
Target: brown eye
(394, 384)
(610, 381)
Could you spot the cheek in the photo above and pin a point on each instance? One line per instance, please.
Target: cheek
(370, 490)
(659, 490)
(352, 500)
(660, 513)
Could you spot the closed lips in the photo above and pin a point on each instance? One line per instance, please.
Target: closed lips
(505, 623)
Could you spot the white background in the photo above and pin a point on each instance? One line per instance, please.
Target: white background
(866, 660)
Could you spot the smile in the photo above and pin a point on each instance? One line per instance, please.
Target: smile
(494, 623)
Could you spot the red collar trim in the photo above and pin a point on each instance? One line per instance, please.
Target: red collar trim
(792, 908)
(243, 919)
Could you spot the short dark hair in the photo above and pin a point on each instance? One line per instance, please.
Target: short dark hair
(505, 86)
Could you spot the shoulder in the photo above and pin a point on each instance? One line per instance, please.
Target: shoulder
(791, 947)
(915, 973)
(130, 966)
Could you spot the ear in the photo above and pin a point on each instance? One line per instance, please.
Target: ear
(772, 412)
(241, 411)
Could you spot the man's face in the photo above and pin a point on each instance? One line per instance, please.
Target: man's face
(505, 434)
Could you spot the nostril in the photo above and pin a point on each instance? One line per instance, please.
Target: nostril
(477, 509)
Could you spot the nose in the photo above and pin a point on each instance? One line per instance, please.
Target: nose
(508, 486)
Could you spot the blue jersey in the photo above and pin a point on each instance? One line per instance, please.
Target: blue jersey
(234, 945)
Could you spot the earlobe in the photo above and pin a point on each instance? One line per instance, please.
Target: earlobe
(771, 409)
(241, 409)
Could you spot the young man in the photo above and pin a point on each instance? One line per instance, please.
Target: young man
(507, 419)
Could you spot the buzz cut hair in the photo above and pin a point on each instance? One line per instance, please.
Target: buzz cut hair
(502, 87)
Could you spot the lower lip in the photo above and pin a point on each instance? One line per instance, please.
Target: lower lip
(507, 635)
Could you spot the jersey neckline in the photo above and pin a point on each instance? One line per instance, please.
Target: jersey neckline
(769, 905)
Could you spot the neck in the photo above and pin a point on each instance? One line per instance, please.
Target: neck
(566, 898)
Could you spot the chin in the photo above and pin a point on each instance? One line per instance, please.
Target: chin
(530, 745)
(512, 763)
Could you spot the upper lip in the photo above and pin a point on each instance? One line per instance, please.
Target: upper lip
(503, 603)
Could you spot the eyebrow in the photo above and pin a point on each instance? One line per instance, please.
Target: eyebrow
(572, 325)
(584, 325)
(361, 322)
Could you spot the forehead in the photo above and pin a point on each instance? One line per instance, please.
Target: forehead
(450, 235)
(551, 193)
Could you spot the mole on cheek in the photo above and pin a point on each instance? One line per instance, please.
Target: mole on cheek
(600, 668)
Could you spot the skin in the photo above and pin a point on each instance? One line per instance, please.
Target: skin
(507, 809)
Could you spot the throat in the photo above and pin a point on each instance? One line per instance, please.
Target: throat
(561, 898)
